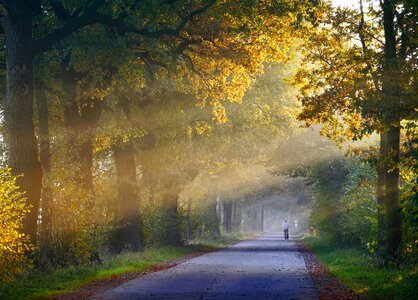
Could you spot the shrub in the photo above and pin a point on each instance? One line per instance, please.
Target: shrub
(13, 243)
(81, 223)
(359, 220)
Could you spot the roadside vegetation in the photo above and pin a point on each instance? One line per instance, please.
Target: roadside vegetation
(344, 232)
(133, 127)
(58, 281)
(360, 273)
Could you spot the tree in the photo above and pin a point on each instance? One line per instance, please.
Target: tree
(22, 50)
(349, 86)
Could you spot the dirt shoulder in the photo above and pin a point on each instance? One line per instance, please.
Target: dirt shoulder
(329, 287)
(91, 289)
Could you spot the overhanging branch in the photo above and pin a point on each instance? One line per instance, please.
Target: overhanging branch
(91, 16)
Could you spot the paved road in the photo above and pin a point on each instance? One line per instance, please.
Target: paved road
(264, 268)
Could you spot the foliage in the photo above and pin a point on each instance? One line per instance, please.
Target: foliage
(345, 207)
(13, 244)
(348, 86)
(54, 282)
(81, 223)
(359, 207)
(155, 221)
(359, 273)
(409, 193)
(340, 82)
(328, 178)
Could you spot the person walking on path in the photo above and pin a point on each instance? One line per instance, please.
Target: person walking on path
(285, 227)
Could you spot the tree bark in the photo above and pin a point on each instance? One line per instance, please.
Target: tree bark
(212, 220)
(171, 234)
(45, 158)
(188, 220)
(392, 104)
(21, 140)
(89, 120)
(131, 235)
(227, 216)
(81, 119)
(236, 221)
(381, 180)
(172, 220)
(394, 218)
(262, 219)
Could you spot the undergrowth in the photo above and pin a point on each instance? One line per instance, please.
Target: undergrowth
(358, 272)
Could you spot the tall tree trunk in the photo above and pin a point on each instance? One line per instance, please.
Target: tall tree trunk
(262, 219)
(90, 113)
(394, 218)
(236, 220)
(212, 220)
(381, 180)
(21, 140)
(45, 158)
(172, 220)
(392, 105)
(172, 233)
(188, 220)
(227, 216)
(81, 120)
(131, 235)
(253, 219)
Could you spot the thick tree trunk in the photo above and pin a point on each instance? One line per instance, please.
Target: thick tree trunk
(227, 216)
(172, 232)
(188, 220)
(127, 185)
(236, 220)
(89, 120)
(381, 181)
(394, 218)
(253, 219)
(45, 158)
(262, 219)
(21, 140)
(212, 220)
(81, 120)
(392, 105)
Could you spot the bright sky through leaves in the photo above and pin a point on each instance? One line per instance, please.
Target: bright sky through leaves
(349, 3)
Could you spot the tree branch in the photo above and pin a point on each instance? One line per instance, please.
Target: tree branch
(92, 17)
(364, 47)
(60, 11)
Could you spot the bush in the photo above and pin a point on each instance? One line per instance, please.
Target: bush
(81, 223)
(359, 220)
(13, 243)
(162, 226)
(328, 178)
(345, 207)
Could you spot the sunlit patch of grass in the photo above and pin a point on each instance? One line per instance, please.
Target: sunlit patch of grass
(64, 280)
(220, 241)
(353, 269)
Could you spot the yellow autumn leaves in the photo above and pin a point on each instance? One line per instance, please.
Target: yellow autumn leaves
(13, 244)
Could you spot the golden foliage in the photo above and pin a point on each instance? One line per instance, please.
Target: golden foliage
(13, 244)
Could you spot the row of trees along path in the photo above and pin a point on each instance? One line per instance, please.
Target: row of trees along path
(364, 63)
(202, 41)
(44, 39)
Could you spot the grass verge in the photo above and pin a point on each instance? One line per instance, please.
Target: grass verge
(357, 272)
(37, 284)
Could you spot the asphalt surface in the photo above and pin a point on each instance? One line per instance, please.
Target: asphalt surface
(264, 268)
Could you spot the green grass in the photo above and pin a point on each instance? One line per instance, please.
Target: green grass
(38, 284)
(358, 273)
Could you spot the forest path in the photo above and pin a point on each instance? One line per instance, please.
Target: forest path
(264, 268)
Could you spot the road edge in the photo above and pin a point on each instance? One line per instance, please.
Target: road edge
(329, 287)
